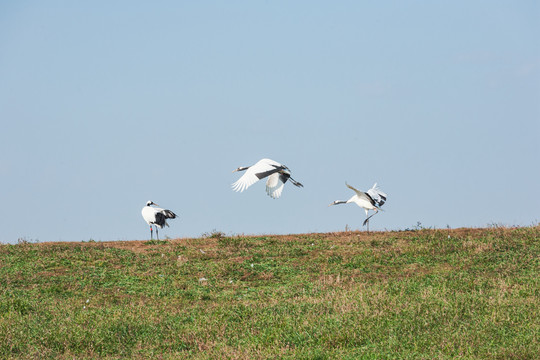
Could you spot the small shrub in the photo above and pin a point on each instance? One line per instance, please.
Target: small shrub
(214, 234)
(156, 242)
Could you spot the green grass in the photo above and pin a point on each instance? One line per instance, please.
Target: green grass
(425, 294)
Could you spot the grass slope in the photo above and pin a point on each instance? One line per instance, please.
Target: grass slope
(431, 294)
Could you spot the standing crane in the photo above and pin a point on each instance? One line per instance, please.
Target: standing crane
(156, 216)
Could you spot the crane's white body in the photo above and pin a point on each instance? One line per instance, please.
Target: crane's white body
(276, 173)
(367, 201)
(149, 215)
(156, 216)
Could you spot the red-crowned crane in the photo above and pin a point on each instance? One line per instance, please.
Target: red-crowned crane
(372, 199)
(277, 174)
(156, 216)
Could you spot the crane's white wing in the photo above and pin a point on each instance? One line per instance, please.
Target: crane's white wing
(377, 195)
(360, 194)
(261, 169)
(275, 184)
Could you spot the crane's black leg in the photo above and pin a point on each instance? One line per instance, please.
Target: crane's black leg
(157, 235)
(367, 219)
(367, 222)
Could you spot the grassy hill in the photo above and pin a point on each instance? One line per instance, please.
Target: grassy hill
(431, 294)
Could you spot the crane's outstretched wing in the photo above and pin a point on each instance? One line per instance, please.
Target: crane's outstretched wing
(161, 216)
(169, 214)
(361, 194)
(260, 170)
(377, 195)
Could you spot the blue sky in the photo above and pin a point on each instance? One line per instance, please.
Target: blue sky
(105, 105)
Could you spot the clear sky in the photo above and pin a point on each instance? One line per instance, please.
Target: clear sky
(107, 104)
